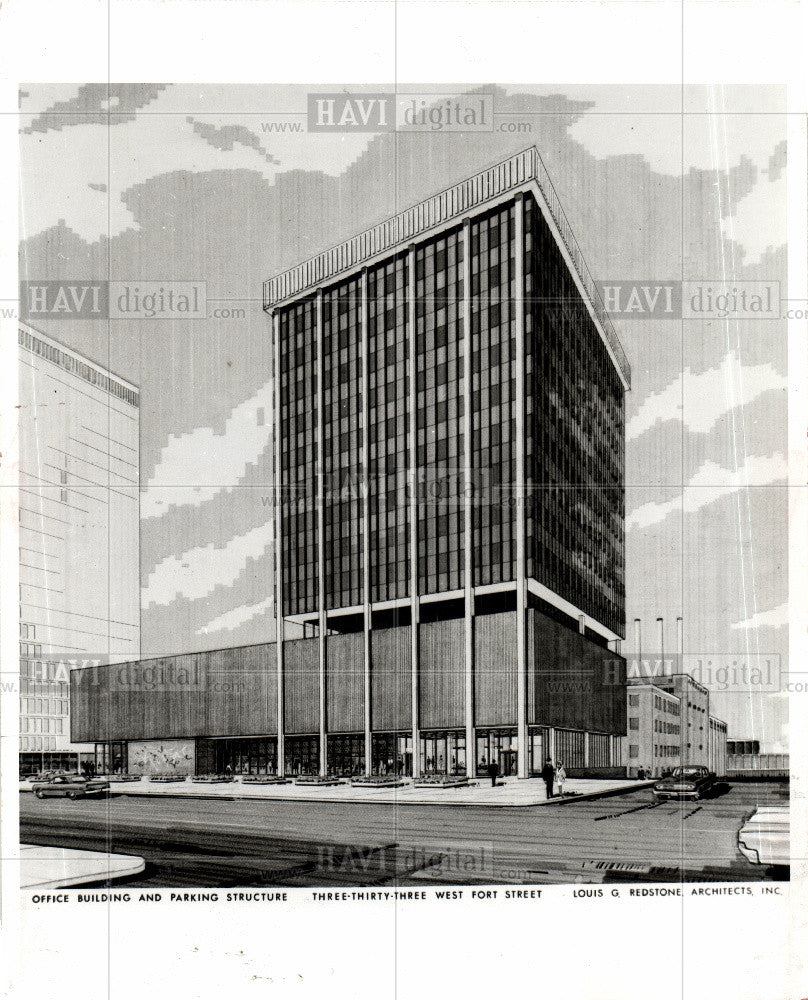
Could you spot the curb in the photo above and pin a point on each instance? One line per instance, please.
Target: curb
(567, 800)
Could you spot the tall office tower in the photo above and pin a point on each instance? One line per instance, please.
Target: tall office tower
(450, 423)
(79, 524)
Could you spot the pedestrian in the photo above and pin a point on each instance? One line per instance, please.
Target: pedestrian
(228, 770)
(493, 771)
(548, 775)
(560, 777)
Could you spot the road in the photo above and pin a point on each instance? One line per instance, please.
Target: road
(207, 843)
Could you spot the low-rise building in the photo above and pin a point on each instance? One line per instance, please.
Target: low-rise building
(717, 746)
(653, 743)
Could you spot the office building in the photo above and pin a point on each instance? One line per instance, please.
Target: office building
(79, 572)
(449, 416)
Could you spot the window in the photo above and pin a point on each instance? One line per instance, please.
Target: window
(633, 750)
(633, 723)
(634, 700)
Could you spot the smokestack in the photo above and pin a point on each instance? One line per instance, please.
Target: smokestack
(661, 638)
(638, 638)
(680, 637)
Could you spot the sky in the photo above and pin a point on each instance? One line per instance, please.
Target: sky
(225, 185)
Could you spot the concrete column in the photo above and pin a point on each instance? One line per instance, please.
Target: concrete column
(522, 761)
(278, 498)
(586, 748)
(582, 624)
(638, 639)
(468, 553)
(550, 750)
(415, 609)
(321, 617)
(366, 595)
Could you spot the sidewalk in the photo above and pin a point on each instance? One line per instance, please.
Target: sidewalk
(58, 867)
(508, 792)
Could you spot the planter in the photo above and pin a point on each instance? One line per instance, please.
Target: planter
(390, 781)
(318, 781)
(213, 779)
(263, 779)
(441, 781)
(167, 777)
(120, 777)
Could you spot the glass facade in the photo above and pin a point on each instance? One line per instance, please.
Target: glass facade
(297, 442)
(574, 414)
(240, 756)
(342, 443)
(493, 345)
(439, 401)
(574, 438)
(388, 428)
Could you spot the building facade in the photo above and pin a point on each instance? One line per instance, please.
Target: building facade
(449, 464)
(694, 701)
(79, 531)
(653, 741)
(717, 746)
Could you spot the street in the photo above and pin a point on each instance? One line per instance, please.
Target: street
(221, 843)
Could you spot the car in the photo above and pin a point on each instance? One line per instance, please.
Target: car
(765, 837)
(689, 782)
(71, 785)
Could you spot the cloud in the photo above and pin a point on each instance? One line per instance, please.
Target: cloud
(776, 618)
(708, 396)
(712, 482)
(92, 103)
(197, 572)
(231, 620)
(226, 136)
(759, 220)
(203, 456)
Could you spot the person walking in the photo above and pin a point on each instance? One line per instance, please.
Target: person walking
(493, 771)
(548, 775)
(560, 777)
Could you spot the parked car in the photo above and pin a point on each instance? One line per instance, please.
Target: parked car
(690, 782)
(765, 837)
(71, 785)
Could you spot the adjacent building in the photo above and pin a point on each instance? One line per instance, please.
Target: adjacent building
(694, 702)
(449, 462)
(717, 746)
(653, 741)
(79, 523)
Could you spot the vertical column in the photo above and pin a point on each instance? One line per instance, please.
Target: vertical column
(413, 475)
(520, 496)
(321, 536)
(468, 553)
(587, 737)
(366, 595)
(278, 492)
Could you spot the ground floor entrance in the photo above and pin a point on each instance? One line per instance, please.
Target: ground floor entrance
(443, 752)
(237, 756)
(391, 754)
(346, 755)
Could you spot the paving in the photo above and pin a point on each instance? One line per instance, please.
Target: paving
(231, 843)
(49, 867)
(507, 792)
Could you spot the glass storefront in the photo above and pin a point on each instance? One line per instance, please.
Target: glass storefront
(237, 756)
(111, 758)
(498, 746)
(346, 755)
(302, 754)
(443, 752)
(392, 754)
